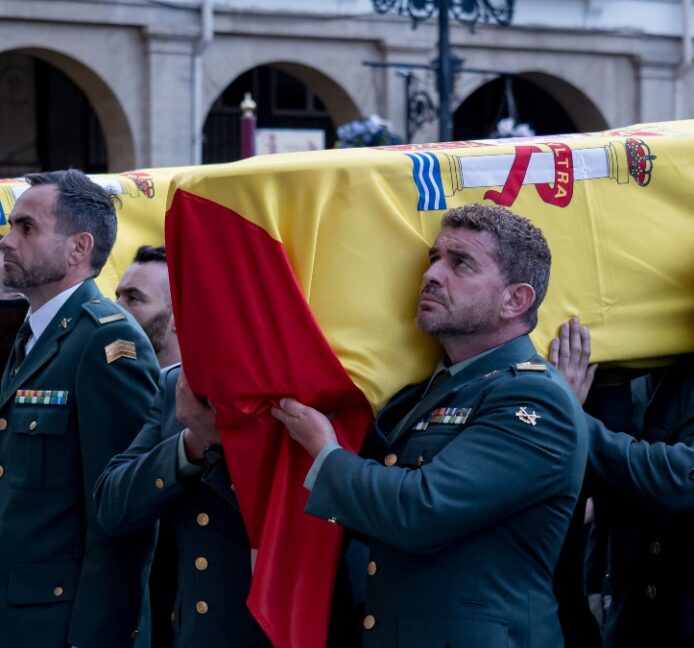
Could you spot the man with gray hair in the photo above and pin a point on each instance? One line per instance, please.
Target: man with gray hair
(75, 391)
(468, 502)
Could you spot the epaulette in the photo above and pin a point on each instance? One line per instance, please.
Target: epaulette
(530, 366)
(103, 311)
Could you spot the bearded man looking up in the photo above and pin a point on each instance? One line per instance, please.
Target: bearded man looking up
(470, 498)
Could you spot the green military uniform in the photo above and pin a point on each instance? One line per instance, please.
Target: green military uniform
(645, 499)
(79, 397)
(143, 484)
(468, 507)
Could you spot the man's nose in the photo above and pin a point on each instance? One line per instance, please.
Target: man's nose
(433, 273)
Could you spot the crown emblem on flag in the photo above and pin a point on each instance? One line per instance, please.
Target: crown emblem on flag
(640, 160)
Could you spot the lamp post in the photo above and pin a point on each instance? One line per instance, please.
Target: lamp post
(468, 12)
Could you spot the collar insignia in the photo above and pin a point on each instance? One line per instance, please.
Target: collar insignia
(527, 417)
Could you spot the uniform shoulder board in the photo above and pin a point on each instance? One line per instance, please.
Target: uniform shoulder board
(531, 366)
(103, 311)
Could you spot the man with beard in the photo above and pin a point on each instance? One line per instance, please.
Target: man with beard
(201, 572)
(481, 465)
(75, 391)
(144, 292)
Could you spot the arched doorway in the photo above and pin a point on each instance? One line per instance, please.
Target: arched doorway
(547, 104)
(287, 96)
(46, 121)
(56, 113)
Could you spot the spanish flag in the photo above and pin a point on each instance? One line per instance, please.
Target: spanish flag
(298, 275)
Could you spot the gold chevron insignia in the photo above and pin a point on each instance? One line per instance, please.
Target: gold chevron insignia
(120, 349)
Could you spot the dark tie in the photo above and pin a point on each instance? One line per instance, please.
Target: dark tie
(20, 343)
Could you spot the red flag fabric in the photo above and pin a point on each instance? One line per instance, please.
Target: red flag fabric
(238, 287)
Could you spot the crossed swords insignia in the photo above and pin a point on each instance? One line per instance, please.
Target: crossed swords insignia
(527, 417)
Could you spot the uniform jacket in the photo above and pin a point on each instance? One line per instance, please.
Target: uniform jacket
(141, 485)
(62, 580)
(645, 499)
(468, 508)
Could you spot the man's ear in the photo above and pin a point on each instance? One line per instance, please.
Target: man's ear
(516, 300)
(81, 248)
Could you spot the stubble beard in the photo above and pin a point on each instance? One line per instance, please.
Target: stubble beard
(23, 279)
(446, 323)
(155, 329)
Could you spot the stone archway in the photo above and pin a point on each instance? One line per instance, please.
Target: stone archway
(288, 95)
(580, 108)
(104, 123)
(549, 105)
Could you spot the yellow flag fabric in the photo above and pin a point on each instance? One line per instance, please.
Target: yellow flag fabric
(357, 223)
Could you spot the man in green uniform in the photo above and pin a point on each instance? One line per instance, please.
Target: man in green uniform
(75, 391)
(643, 485)
(201, 574)
(481, 465)
(175, 471)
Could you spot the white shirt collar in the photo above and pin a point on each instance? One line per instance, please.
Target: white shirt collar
(40, 319)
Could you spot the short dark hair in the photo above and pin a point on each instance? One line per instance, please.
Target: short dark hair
(82, 206)
(522, 252)
(149, 253)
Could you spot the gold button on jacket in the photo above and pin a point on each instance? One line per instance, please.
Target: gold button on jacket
(202, 607)
(369, 621)
(203, 519)
(201, 563)
(390, 459)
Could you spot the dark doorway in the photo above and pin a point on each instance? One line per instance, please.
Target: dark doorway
(46, 121)
(477, 117)
(283, 102)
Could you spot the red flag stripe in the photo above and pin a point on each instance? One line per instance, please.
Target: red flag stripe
(248, 337)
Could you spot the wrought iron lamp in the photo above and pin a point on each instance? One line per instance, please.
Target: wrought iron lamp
(468, 12)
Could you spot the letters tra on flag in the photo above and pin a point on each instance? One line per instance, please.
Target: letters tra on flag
(298, 275)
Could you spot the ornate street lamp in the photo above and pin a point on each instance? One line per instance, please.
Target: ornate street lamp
(468, 12)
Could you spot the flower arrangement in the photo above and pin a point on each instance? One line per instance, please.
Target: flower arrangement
(372, 131)
(508, 127)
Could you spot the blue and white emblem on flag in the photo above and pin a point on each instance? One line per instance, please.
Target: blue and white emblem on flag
(427, 176)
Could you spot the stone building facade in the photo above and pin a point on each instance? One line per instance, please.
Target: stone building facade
(113, 85)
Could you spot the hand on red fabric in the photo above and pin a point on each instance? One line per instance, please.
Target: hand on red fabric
(309, 427)
(570, 353)
(199, 419)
